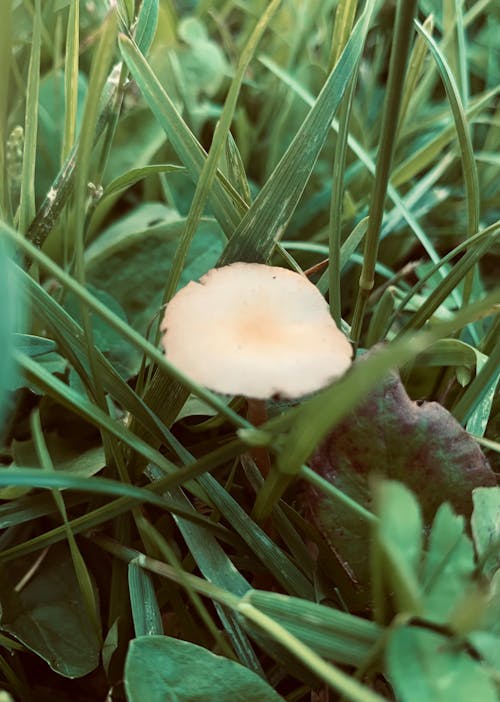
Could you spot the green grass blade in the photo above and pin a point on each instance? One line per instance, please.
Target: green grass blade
(267, 218)
(344, 20)
(216, 567)
(27, 198)
(71, 399)
(143, 602)
(69, 337)
(71, 62)
(463, 133)
(451, 281)
(182, 139)
(147, 22)
(331, 633)
(343, 683)
(5, 63)
(364, 157)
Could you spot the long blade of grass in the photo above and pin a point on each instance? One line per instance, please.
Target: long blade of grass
(344, 19)
(74, 401)
(216, 567)
(143, 602)
(329, 632)
(180, 136)
(452, 279)
(274, 604)
(27, 198)
(59, 480)
(151, 536)
(71, 61)
(267, 218)
(426, 155)
(346, 685)
(5, 62)
(469, 168)
(70, 342)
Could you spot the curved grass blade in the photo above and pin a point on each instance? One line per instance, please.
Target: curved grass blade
(469, 169)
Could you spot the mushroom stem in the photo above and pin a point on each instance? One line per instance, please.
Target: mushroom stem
(257, 415)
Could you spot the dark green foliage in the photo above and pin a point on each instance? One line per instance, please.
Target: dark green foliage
(144, 142)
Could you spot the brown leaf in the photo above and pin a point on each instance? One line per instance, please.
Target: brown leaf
(391, 436)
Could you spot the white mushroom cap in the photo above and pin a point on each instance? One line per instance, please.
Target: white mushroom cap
(255, 330)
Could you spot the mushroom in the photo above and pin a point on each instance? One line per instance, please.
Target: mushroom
(255, 330)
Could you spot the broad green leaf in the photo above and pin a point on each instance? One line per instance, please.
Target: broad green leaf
(48, 615)
(66, 455)
(125, 359)
(449, 565)
(134, 148)
(203, 67)
(399, 537)
(51, 127)
(34, 345)
(144, 241)
(160, 668)
(424, 666)
(485, 523)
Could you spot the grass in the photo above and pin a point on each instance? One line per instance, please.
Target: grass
(143, 144)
